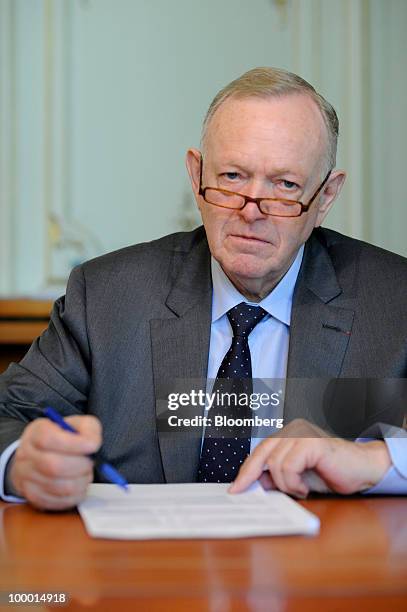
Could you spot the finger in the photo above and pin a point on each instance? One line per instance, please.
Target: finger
(291, 469)
(252, 468)
(54, 465)
(59, 487)
(298, 462)
(24, 470)
(87, 425)
(67, 487)
(48, 436)
(266, 481)
(314, 482)
(38, 498)
(275, 462)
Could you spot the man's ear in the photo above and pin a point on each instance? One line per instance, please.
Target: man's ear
(193, 164)
(329, 194)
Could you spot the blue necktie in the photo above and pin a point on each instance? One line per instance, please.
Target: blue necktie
(226, 446)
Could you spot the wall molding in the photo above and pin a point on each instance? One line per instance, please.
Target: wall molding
(54, 58)
(7, 146)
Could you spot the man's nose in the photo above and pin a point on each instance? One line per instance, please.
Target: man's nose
(251, 212)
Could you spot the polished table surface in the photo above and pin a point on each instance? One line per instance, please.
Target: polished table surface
(357, 562)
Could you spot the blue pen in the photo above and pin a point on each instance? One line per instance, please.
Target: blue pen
(107, 470)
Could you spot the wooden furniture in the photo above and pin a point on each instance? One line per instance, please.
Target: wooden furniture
(357, 563)
(21, 321)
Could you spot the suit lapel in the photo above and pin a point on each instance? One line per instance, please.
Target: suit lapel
(319, 332)
(319, 335)
(180, 347)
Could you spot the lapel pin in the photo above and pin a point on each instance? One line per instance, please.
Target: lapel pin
(335, 328)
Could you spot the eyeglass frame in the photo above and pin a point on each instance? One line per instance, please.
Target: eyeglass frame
(257, 201)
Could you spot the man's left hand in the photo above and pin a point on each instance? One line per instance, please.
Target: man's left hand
(345, 467)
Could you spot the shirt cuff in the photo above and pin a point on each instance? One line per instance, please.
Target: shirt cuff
(394, 482)
(4, 459)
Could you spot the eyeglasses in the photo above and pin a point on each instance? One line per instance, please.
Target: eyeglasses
(276, 207)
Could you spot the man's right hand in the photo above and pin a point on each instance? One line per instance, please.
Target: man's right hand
(50, 467)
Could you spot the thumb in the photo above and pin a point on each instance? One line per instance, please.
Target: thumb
(89, 427)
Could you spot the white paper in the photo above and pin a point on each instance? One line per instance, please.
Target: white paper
(196, 510)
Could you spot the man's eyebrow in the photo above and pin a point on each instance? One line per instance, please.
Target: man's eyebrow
(284, 170)
(232, 164)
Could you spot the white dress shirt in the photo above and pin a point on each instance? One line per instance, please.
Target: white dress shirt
(268, 345)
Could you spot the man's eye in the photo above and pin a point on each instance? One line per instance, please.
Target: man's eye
(232, 176)
(289, 185)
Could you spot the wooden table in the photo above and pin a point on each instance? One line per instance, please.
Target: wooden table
(358, 562)
(21, 321)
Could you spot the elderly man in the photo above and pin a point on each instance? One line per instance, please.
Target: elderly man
(262, 289)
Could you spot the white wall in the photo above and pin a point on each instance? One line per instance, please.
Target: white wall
(101, 99)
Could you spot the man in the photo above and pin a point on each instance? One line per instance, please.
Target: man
(135, 320)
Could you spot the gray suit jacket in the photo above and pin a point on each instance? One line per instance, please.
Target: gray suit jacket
(135, 320)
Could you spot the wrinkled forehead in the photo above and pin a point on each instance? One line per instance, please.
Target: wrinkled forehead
(289, 129)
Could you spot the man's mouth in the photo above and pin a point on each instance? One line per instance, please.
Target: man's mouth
(250, 238)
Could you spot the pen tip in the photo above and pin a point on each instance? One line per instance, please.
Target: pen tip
(113, 476)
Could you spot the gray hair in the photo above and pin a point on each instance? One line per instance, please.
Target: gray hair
(269, 82)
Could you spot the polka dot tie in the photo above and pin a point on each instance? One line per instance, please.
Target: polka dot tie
(226, 446)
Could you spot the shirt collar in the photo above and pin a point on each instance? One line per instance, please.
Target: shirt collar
(277, 303)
